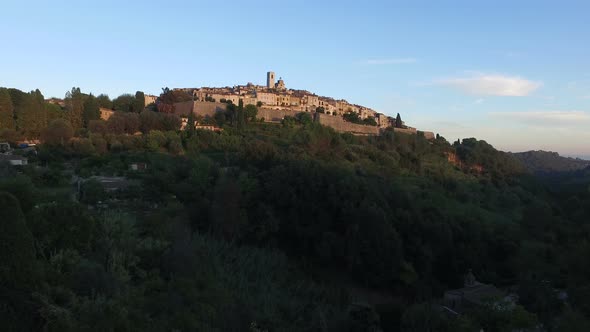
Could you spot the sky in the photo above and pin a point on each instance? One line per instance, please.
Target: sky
(513, 73)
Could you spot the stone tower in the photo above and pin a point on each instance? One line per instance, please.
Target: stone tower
(270, 80)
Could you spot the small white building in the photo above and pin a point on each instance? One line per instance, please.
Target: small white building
(14, 159)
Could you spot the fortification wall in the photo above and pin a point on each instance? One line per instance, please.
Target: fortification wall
(428, 135)
(202, 108)
(342, 126)
(271, 115)
(412, 131)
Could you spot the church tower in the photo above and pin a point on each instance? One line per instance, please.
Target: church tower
(270, 80)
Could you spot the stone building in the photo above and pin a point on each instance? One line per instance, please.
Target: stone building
(266, 98)
(105, 113)
(280, 85)
(473, 294)
(150, 99)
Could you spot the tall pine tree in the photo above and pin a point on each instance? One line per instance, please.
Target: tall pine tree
(39, 112)
(75, 107)
(91, 110)
(6, 110)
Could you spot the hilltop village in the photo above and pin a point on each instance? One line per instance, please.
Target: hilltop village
(275, 102)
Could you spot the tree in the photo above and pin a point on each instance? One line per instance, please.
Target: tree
(423, 317)
(155, 140)
(169, 122)
(320, 110)
(351, 117)
(139, 103)
(75, 107)
(97, 126)
(250, 112)
(398, 121)
(40, 114)
(104, 101)
(16, 244)
(132, 123)
(64, 225)
(6, 110)
(240, 114)
(190, 124)
(92, 192)
(124, 103)
(59, 132)
(288, 121)
(165, 102)
(31, 117)
(259, 104)
(304, 118)
(54, 112)
(91, 110)
(116, 123)
(220, 118)
(369, 121)
(173, 142)
(148, 121)
(9, 135)
(231, 114)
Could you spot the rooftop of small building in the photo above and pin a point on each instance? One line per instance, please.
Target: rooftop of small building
(12, 157)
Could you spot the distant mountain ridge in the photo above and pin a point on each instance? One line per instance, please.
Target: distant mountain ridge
(550, 162)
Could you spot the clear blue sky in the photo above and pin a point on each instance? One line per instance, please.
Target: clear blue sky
(515, 73)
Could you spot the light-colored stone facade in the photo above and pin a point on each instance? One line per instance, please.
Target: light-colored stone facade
(150, 99)
(105, 113)
(270, 80)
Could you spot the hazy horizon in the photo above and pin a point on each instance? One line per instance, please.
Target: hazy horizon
(515, 75)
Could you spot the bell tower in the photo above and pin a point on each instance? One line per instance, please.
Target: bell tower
(270, 80)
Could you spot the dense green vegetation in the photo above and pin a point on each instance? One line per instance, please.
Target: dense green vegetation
(550, 162)
(291, 227)
(355, 118)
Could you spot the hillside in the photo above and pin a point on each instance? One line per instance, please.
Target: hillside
(549, 162)
(131, 224)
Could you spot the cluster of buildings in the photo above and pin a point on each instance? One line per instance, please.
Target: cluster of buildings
(275, 95)
(7, 156)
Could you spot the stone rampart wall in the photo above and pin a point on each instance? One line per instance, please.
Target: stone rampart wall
(405, 131)
(428, 135)
(271, 115)
(342, 126)
(202, 108)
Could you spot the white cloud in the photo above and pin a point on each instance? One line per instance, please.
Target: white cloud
(491, 85)
(479, 101)
(390, 61)
(547, 118)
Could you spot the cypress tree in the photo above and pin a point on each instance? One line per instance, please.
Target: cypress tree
(398, 121)
(139, 103)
